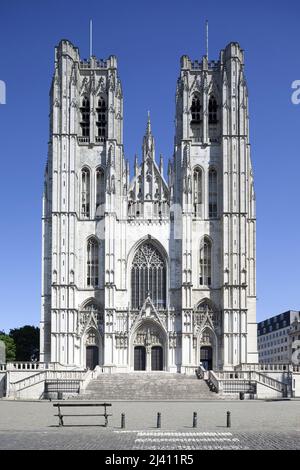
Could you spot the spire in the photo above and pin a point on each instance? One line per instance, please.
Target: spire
(136, 165)
(148, 143)
(161, 165)
(148, 129)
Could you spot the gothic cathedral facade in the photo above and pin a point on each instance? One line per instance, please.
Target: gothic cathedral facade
(148, 272)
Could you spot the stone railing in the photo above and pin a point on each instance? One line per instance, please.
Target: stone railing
(99, 139)
(245, 381)
(202, 373)
(19, 366)
(83, 140)
(271, 383)
(2, 367)
(90, 374)
(25, 366)
(265, 367)
(213, 381)
(87, 64)
(19, 385)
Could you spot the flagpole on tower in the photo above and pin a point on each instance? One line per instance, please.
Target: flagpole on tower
(91, 38)
(207, 40)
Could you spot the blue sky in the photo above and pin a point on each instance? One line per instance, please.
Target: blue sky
(149, 39)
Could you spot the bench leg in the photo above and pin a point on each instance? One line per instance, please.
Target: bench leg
(61, 421)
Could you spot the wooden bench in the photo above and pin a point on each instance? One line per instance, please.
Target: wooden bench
(73, 405)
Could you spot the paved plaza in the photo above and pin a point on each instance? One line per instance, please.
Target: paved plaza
(255, 425)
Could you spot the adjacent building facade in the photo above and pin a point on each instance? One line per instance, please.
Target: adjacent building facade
(153, 271)
(278, 338)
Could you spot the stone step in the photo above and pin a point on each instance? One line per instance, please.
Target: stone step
(139, 386)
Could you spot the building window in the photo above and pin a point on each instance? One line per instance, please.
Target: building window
(197, 190)
(101, 119)
(205, 262)
(85, 193)
(148, 277)
(212, 111)
(85, 117)
(196, 110)
(100, 192)
(213, 193)
(92, 263)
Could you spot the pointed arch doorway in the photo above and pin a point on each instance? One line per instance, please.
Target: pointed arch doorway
(157, 359)
(93, 349)
(139, 358)
(207, 319)
(149, 346)
(92, 357)
(206, 357)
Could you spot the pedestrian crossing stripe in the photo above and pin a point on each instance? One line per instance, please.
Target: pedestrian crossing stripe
(173, 433)
(188, 439)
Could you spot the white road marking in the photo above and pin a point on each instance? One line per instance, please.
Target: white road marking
(153, 440)
(173, 433)
(188, 439)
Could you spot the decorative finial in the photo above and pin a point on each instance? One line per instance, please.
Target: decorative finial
(149, 124)
(161, 164)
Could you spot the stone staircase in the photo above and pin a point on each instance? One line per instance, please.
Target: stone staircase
(143, 386)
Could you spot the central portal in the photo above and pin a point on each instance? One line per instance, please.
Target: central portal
(149, 347)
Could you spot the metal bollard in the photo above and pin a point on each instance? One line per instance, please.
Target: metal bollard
(122, 420)
(194, 419)
(228, 419)
(159, 420)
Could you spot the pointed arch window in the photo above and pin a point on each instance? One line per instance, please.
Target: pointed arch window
(196, 110)
(85, 117)
(213, 193)
(205, 262)
(92, 263)
(100, 191)
(85, 193)
(197, 191)
(101, 118)
(212, 111)
(148, 277)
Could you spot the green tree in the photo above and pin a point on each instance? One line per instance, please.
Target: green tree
(10, 347)
(27, 340)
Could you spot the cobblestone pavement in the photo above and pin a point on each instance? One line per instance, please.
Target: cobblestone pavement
(146, 440)
(255, 425)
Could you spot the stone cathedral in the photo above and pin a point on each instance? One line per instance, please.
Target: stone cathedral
(144, 270)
